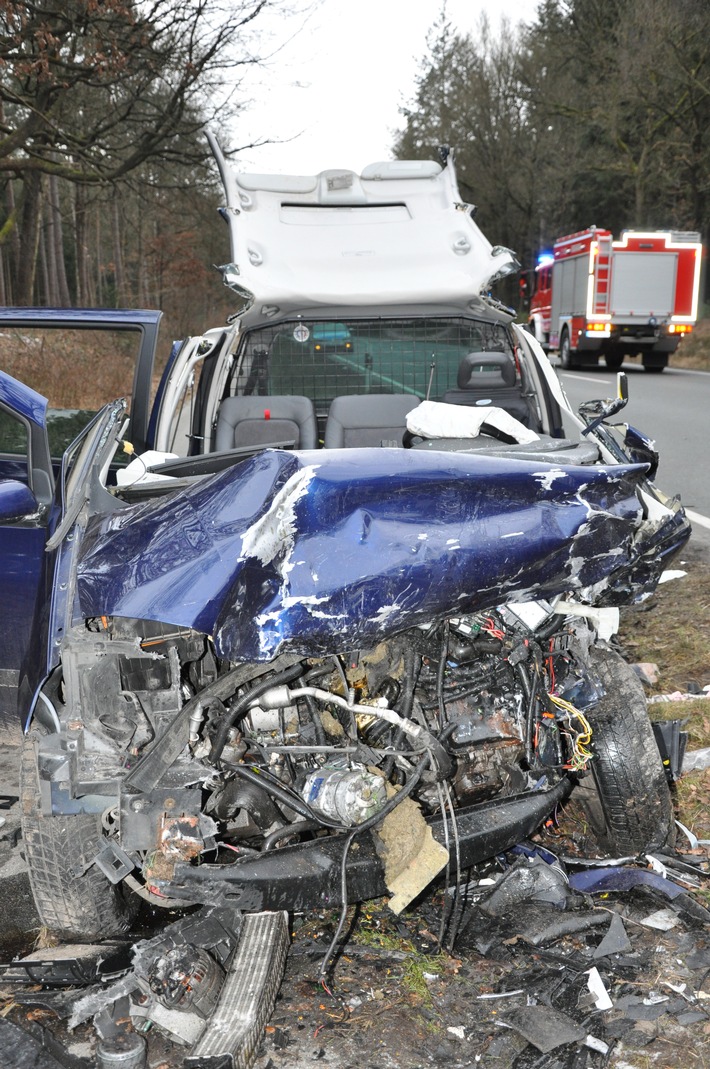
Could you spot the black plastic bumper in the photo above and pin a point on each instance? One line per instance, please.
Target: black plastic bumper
(308, 876)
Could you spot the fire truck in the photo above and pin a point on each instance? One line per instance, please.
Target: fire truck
(637, 296)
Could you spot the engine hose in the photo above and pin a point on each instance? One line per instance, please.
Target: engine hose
(296, 828)
(440, 757)
(406, 704)
(548, 629)
(440, 676)
(155, 900)
(530, 689)
(241, 707)
(321, 739)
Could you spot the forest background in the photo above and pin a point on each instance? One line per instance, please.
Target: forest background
(597, 112)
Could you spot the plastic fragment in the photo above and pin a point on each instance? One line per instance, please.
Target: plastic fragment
(615, 941)
(598, 989)
(657, 866)
(528, 879)
(596, 1044)
(596, 881)
(671, 573)
(692, 839)
(536, 926)
(544, 1027)
(679, 989)
(662, 920)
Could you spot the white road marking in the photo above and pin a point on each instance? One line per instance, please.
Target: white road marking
(586, 378)
(696, 517)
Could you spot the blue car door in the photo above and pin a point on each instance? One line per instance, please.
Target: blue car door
(26, 494)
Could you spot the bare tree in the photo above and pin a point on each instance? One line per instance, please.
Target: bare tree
(91, 90)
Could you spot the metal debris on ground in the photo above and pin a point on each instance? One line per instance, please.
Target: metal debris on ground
(553, 964)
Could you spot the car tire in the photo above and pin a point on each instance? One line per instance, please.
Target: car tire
(626, 799)
(653, 370)
(73, 903)
(566, 360)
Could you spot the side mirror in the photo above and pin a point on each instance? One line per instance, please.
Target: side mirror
(595, 412)
(17, 501)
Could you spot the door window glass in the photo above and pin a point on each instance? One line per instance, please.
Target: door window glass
(14, 447)
(78, 371)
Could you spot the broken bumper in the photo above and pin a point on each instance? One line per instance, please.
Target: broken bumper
(309, 876)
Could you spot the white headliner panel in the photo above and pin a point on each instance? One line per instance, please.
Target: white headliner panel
(396, 234)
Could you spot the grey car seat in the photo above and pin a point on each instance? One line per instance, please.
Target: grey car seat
(368, 419)
(261, 420)
(489, 379)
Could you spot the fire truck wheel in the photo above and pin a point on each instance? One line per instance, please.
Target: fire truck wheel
(613, 360)
(566, 352)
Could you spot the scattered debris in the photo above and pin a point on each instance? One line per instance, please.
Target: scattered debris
(544, 1027)
(647, 672)
(662, 919)
(571, 963)
(679, 696)
(616, 941)
(598, 990)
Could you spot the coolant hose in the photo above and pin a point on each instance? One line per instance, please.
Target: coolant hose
(241, 706)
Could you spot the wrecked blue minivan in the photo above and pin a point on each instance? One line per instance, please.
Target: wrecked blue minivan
(345, 617)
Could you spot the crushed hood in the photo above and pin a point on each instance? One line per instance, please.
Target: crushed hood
(318, 551)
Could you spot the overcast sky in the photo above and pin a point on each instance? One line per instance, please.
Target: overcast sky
(334, 90)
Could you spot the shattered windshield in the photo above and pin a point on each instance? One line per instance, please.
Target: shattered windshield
(323, 360)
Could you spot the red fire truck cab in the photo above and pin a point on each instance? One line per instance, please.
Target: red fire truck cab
(637, 296)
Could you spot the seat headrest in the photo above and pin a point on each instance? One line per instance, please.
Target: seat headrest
(485, 370)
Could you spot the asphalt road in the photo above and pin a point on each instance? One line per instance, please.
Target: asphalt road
(672, 408)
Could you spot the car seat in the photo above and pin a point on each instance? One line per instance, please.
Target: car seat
(262, 420)
(489, 379)
(372, 419)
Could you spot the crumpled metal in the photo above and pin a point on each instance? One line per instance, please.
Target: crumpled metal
(314, 552)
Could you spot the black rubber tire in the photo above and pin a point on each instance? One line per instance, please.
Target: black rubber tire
(627, 799)
(566, 360)
(613, 360)
(654, 363)
(75, 907)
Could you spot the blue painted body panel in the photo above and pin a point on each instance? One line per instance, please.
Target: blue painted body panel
(26, 402)
(21, 545)
(81, 317)
(21, 553)
(319, 551)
